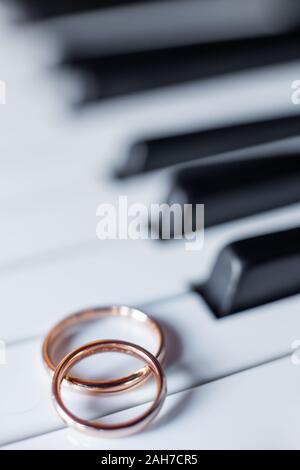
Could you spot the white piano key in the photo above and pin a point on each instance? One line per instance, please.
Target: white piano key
(34, 412)
(35, 100)
(200, 349)
(258, 410)
(22, 40)
(53, 147)
(99, 272)
(122, 272)
(66, 218)
(41, 280)
(42, 224)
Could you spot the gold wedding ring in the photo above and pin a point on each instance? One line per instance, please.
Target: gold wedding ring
(101, 429)
(97, 386)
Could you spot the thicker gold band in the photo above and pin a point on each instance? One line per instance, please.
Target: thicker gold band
(109, 430)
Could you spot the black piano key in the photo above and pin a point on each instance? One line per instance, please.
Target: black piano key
(255, 271)
(135, 71)
(154, 154)
(43, 9)
(235, 189)
(173, 23)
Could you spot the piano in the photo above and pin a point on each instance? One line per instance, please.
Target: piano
(167, 101)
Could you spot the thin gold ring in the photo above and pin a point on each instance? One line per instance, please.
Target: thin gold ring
(101, 429)
(101, 386)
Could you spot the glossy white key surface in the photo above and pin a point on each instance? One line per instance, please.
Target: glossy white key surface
(256, 409)
(200, 349)
(36, 292)
(55, 169)
(78, 148)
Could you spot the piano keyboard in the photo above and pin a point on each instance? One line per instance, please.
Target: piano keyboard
(161, 108)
